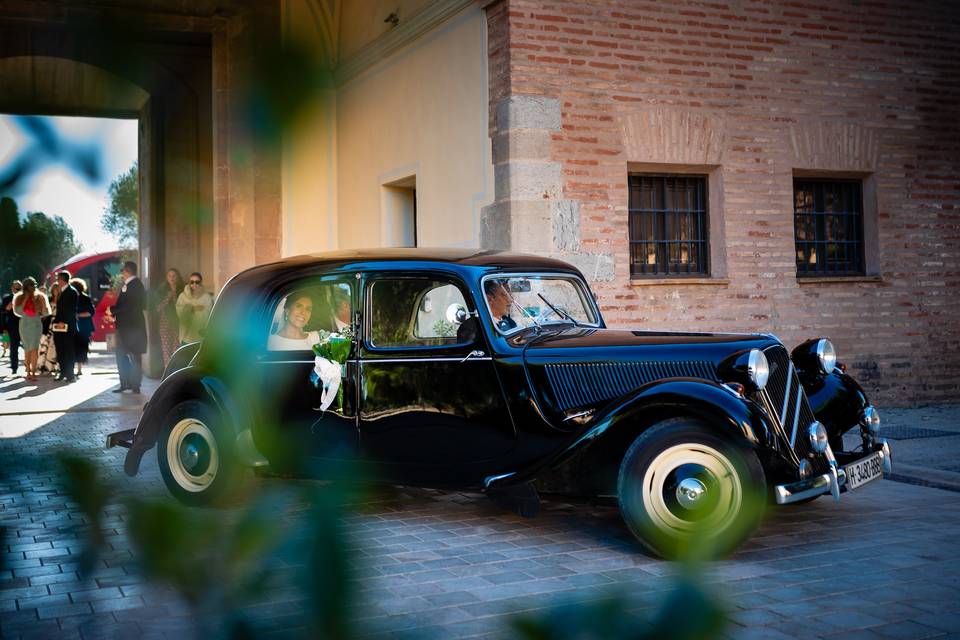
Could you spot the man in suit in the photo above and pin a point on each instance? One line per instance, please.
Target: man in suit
(131, 328)
(64, 327)
(10, 323)
(500, 302)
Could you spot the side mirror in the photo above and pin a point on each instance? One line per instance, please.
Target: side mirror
(457, 314)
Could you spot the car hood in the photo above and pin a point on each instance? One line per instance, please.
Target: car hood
(593, 344)
(576, 369)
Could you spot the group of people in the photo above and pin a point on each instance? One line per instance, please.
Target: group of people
(54, 330)
(182, 310)
(54, 327)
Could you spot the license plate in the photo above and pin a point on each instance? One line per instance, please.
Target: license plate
(863, 471)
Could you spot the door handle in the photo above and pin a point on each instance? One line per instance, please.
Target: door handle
(473, 354)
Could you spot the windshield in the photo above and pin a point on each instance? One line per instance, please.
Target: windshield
(520, 301)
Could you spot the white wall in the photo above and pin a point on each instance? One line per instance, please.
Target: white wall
(422, 112)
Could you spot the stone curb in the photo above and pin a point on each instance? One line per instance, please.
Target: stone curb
(924, 476)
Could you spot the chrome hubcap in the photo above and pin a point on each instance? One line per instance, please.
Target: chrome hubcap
(691, 486)
(192, 455)
(689, 492)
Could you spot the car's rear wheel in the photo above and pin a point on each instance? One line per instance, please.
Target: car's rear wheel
(684, 490)
(194, 454)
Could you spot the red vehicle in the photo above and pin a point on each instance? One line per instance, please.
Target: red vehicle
(101, 272)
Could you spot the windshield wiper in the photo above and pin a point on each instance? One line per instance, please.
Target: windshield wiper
(558, 311)
(526, 314)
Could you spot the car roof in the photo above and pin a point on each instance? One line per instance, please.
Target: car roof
(381, 257)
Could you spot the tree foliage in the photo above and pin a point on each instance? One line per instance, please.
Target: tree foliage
(121, 219)
(31, 244)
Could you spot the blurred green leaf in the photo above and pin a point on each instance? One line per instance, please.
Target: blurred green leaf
(82, 485)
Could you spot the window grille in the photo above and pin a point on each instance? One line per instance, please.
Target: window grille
(668, 225)
(828, 227)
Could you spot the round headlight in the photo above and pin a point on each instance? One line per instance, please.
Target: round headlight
(818, 436)
(758, 369)
(827, 355)
(871, 420)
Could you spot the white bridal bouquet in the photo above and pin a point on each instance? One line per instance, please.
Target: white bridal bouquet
(331, 354)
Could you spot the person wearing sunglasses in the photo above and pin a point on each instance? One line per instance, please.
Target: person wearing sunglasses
(193, 309)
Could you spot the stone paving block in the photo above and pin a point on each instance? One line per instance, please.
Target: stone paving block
(507, 577)
(31, 572)
(949, 622)
(756, 617)
(908, 630)
(63, 610)
(755, 633)
(846, 621)
(54, 578)
(95, 594)
(20, 592)
(22, 563)
(33, 628)
(43, 601)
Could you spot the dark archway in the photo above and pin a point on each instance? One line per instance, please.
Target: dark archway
(166, 84)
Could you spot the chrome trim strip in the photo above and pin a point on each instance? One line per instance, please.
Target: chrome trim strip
(796, 416)
(369, 360)
(393, 360)
(786, 396)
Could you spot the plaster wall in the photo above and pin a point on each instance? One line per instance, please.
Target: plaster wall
(422, 112)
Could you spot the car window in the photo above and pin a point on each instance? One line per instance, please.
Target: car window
(309, 311)
(414, 312)
(518, 301)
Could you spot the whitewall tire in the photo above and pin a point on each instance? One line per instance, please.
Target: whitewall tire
(685, 490)
(194, 454)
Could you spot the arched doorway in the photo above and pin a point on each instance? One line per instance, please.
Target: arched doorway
(170, 98)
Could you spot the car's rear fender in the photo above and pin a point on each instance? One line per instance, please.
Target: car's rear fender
(180, 359)
(190, 384)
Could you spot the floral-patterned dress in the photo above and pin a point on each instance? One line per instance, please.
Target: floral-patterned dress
(169, 325)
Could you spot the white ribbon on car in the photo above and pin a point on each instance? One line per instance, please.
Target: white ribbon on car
(329, 373)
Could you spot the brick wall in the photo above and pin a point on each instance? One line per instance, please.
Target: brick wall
(757, 90)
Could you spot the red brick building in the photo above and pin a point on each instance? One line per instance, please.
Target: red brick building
(732, 165)
(786, 167)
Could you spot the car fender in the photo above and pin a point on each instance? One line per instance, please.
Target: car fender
(718, 406)
(185, 384)
(837, 400)
(619, 424)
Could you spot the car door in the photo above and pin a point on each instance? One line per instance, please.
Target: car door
(428, 396)
(289, 397)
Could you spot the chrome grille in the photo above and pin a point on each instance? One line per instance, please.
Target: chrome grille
(581, 384)
(786, 401)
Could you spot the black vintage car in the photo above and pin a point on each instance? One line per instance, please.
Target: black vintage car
(495, 371)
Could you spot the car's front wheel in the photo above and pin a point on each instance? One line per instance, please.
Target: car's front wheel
(194, 454)
(684, 490)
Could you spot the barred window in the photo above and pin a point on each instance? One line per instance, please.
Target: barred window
(668, 225)
(828, 226)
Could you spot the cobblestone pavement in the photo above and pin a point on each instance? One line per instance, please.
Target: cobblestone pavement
(885, 563)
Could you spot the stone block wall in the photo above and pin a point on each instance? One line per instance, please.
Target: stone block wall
(751, 94)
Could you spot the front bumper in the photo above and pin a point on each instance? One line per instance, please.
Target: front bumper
(832, 482)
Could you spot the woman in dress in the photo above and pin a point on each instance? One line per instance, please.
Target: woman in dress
(193, 309)
(30, 306)
(85, 311)
(48, 350)
(166, 307)
(290, 335)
